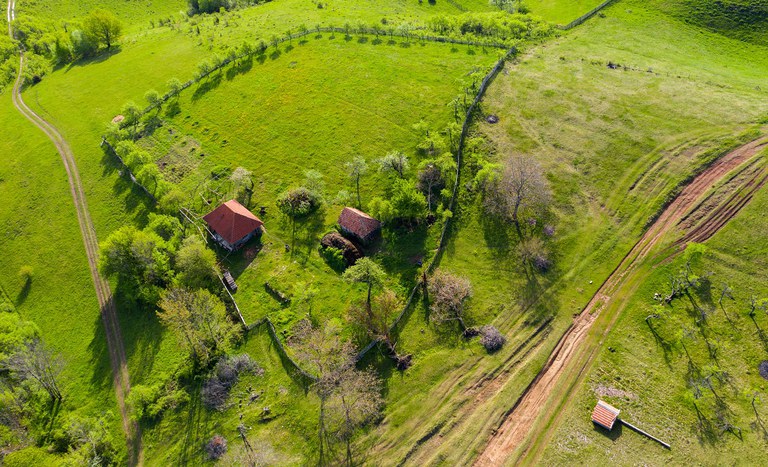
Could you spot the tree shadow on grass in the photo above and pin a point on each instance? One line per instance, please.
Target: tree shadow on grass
(402, 251)
(142, 334)
(102, 57)
(208, 84)
(196, 428)
(24, 292)
(102, 376)
(240, 67)
(135, 198)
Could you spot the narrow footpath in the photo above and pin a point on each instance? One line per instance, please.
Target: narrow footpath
(106, 301)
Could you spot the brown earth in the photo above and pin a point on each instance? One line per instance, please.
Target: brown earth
(522, 417)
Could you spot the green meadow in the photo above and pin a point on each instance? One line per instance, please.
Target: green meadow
(619, 112)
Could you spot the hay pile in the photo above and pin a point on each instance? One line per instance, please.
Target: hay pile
(350, 251)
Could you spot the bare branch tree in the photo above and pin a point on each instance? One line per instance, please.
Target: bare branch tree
(448, 295)
(520, 191)
(35, 362)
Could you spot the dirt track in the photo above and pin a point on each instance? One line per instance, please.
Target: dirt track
(103, 293)
(521, 419)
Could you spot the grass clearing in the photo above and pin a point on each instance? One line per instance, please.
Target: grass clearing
(561, 11)
(38, 218)
(650, 378)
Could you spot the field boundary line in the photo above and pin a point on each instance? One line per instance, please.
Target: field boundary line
(583, 18)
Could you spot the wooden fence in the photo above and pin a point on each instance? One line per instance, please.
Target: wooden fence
(587, 15)
(454, 195)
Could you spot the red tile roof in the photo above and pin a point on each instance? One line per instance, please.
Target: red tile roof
(358, 223)
(232, 221)
(605, 414)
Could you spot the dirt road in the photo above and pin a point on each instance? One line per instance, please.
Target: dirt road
(106, 301)
(521, 419)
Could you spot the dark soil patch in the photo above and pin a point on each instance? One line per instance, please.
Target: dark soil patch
(492, 119)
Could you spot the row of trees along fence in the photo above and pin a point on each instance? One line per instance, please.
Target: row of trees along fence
(125, 167)
(586, 16)
(452, 203)
(465, 128)
(263, 46)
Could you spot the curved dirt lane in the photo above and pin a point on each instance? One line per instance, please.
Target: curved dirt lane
(103, 292)
(520, 420)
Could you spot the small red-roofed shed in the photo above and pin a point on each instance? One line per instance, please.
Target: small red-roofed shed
(605, 415)
(359, 225)
(232, 225)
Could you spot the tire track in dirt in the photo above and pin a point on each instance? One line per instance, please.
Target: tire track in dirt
(520, 420)
(107, 306)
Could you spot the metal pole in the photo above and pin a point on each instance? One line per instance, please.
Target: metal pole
(633, 427)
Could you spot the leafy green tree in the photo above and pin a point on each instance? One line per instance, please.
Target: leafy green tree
(394, 162)
(196, 264)
(200, 321)
(174, 86)
(153, 99)
(408, 202)
(365, 271)
(102, 27)
(139, 259)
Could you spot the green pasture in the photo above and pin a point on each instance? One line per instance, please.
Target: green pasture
(561, 11)
(650, 378)
(132, 13)
(615, 143)
(40, 229)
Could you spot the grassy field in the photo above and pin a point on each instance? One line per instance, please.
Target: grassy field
(37, 219)
(561, 11)
(134, 14)
(657, 381)
(615, 143)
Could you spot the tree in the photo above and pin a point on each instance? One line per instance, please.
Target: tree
(520, 190)
(356, 168)
(365, 271)
(241, 180)
(34, 362)
(132, 114)
(102, 27)
(153, 99)
(196, 264)
(174, 86)
(408, 203)
(430, 179)
(298, 202)
(448, 295)
(349, 398)
(200, 321)
(139, 259)
(396, 162)
(375, 318)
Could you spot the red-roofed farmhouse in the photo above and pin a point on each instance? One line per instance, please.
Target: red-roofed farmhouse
(359, 225)
(232, 225)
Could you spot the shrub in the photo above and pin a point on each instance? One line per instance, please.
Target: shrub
(334, 257)
(298, 202)
(224, 376)
(491, 338)
(216, 447)
(26, 273)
